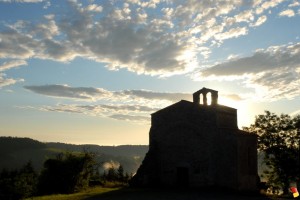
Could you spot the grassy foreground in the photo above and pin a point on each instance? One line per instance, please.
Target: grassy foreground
(77, 196)
(151, 194)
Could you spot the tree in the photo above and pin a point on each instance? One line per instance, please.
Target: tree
(279, 140)
(120, 173)
(67, 173)
(111, 174)
(18, 184)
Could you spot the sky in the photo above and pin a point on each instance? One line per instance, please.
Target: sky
(93, 71)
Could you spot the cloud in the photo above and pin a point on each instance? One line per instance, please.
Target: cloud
(245, 16)
(22, 1)
(260, 20)
(4, 81)
(262, 6)
(233, 97)
(294, 4)
(64, 91)
(295, 113)
(12, 64)
(94, 94)
(232, 33)
(130, 118)
(124, 112)
(8, 81)
(287, 13)
(274, 72)
(128, 35)
(94, 8)
(133, 113)
(128, 105)
(173, 97)
(271, 4)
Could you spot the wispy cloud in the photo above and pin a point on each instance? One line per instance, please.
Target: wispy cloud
(260, 21)
(93, 94)
(133, 113)
(294, 4)
(173, 97)
(64, 91)
(274, 72)
(8, 81)
(22, 1)
(129, 105)
(12, 64)
(4, 80)
(295, 113)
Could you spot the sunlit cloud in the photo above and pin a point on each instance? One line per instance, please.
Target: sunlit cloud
(295, 113)
(287, 13)
(5, 66)
(273, 72)
(128, 35)
(232, 33)
(294, 4)
(178, 39)
(12, 64)
(4, 81)
(94, 8)
(270, 4)
(22, 1)
(65, 91)
(260, 20)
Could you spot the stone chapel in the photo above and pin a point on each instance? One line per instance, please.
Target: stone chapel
(198, 144)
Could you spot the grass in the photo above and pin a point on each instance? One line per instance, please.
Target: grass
(76, 196)
(124, 193)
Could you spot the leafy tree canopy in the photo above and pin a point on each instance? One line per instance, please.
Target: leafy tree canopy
(67, 173)
(278, 139)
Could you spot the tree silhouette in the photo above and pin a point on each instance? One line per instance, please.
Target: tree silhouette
(278, 139)
(18, 184)
(120, 173)
(66, 174)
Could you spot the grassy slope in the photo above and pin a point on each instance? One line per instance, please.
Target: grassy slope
(77, 196)
(149, 194)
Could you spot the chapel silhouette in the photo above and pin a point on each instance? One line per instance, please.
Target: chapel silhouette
(198, 144)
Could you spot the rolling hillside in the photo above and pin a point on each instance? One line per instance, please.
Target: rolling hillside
(15, 152)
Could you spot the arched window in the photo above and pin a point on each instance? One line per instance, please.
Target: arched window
(209, 98)
(201, 99)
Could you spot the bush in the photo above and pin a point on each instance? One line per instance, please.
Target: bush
(66, 174)
(18, 184)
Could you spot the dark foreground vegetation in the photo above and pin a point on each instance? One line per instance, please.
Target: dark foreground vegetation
(279, 143)
(66, 174)
(125, 193)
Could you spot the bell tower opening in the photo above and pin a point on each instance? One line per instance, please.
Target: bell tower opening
(206, 97)
(209, 98)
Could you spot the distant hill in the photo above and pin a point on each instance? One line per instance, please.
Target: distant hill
(15, 152)
(122, 150)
